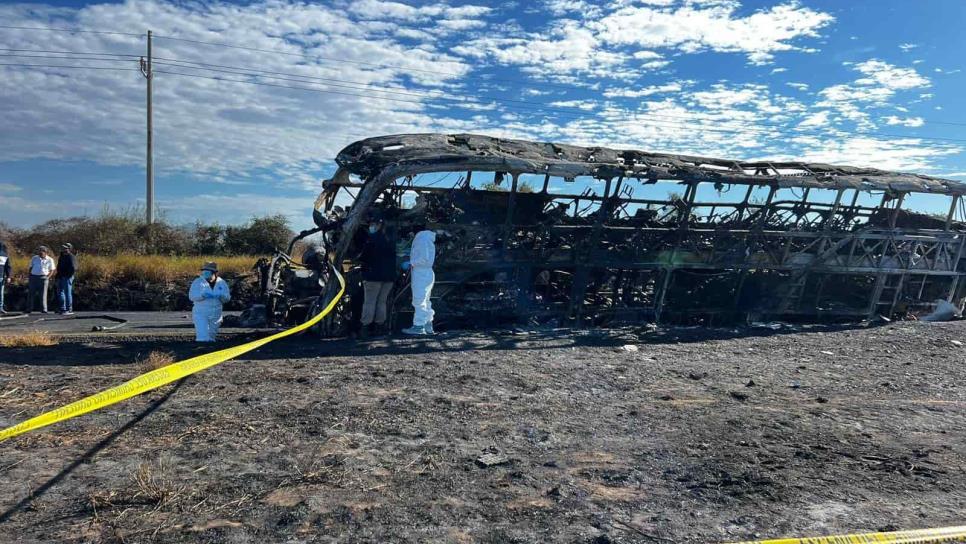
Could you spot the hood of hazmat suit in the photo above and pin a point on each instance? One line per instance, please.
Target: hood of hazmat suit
(423, 253)
(208, 300)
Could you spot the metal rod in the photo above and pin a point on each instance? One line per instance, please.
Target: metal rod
(952, 211)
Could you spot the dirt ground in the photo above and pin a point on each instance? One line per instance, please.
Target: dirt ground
(685, 436)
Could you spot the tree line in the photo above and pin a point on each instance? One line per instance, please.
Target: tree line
(113, 232)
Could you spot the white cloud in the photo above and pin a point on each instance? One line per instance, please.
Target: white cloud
(908, 46)
(586, 105)
(600, 44)
(902, 154)
(565, 49)
(239, 138)
(819, 119)
(672, 87)
(876, 89)
(232, 208)
(715, 27)
(905, 122)
(534, 92)
(443, 14)
(220, 128)
(646, 55)
(6, 188)
(889, 76)
(563, 7)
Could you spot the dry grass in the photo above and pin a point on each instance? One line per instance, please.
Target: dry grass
(104, 270)
(156, 360)
(29, 339)
(154, 487)
(123, 268)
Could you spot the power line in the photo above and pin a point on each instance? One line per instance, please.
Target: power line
(64, 57)
(73, 31)
(382, 65)
(297, 78)
(357, 85)
(536, 106)
(746, 131)
(438, 72)
(68, 52)
(469, 104)
(397, 67)
(543, 106)
(359, 62)
(69, 66)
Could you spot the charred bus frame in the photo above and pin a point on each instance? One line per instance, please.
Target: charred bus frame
(604, 255)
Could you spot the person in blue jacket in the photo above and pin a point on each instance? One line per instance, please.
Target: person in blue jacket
(208, 293)
(378, 261)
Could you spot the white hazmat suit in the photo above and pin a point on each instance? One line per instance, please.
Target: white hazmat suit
(421, 258)
(208, 301)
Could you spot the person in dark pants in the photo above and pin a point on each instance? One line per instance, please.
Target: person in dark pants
(66, 268)
(41, 269)
(378, 276)
(6, 272)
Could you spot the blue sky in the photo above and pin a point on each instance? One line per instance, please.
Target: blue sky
(875, 83)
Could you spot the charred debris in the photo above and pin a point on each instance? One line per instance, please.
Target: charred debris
(542, 233)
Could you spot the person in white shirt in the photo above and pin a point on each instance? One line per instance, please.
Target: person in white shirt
(6, 272)
(41, 269)
(208, 293)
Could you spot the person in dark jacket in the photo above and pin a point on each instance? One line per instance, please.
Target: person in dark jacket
(6, 272)
(66, 268)
(378, 276)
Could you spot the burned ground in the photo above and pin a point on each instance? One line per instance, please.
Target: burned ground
(689, 435)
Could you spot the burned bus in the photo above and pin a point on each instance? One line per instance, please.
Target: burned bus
(534, 233)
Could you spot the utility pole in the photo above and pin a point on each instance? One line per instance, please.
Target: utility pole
(149, 76)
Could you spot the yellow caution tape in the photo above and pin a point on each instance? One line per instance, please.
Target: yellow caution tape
(162, 376)
(921, 536)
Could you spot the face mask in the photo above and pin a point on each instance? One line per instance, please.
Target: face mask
(373, 229)
(207, 274)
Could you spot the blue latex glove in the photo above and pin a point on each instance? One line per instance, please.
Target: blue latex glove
(406, 265)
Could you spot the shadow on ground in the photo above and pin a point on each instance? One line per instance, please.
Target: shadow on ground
(129, 348)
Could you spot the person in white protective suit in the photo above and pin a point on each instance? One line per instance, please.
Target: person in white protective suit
(208, 293)
(421, 260)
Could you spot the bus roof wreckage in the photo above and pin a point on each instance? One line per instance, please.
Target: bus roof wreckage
(539, 233)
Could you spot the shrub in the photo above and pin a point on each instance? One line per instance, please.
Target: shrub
(262, 235)
(29, 339)
(523, 187)
(125, 232)
(156, 360)
(209, 239)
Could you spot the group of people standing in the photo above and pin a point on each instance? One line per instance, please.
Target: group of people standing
(42, 270)
(378, 259)
(209, 293)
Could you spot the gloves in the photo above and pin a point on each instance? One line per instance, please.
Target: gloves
(406, 265)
